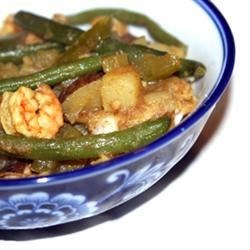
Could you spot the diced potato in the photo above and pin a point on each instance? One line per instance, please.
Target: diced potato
(121, 88)
(85, 98)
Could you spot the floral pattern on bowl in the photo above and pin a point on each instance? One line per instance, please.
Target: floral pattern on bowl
(40, 209)
(37, 209)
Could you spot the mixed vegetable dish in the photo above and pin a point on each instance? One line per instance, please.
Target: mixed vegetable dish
(72, 98)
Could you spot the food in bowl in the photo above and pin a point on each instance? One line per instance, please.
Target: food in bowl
(72, 98)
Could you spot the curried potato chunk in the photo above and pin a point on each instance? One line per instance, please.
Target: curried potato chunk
(85, 98)
(121, 88)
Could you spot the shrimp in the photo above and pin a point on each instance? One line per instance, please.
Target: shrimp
(31, 113)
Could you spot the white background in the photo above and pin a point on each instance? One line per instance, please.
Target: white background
(203, 203)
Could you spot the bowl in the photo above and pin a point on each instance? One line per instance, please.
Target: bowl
(56, 199)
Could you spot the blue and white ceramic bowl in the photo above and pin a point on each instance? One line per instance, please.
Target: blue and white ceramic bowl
(51, 200)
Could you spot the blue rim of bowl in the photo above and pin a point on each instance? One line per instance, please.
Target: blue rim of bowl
(220, 86)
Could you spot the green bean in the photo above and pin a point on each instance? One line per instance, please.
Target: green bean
(90, 146)
(190, 69)
(54, 74)
(46, 28)
(63, 72)
(129, 17)
(50, 166)
(15, 55)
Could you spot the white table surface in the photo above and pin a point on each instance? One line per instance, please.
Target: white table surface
(203, 203)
